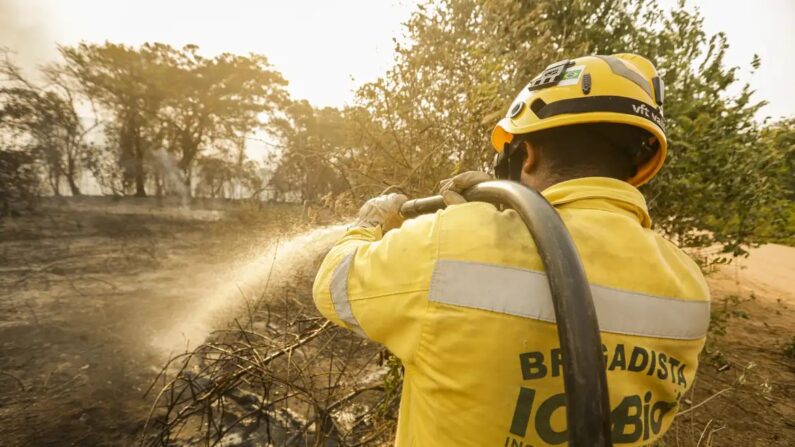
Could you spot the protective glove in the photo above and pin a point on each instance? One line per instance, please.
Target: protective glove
(383, 211)
(452, 188)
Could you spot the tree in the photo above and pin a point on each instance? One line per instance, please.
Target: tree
(314, 152)
(215, 174)
(19, 181)
(214, 99)
(779, 137)
(122, 80)
(431, 114)
(175, 99)
(48, 116)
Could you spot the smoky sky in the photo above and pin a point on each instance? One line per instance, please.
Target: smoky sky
(31, 28)
(26, 30)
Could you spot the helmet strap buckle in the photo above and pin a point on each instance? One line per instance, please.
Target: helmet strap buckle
(508, 163)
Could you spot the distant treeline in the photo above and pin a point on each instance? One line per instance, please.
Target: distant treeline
(171, 117)
(161, 113)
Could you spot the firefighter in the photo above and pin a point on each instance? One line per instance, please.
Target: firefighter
(461, 298)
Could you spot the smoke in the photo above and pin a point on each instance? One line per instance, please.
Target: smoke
(27, 30)
(226, 288)
(173, 176)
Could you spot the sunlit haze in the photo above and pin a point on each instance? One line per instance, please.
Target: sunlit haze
(201, 247)
(326, 49)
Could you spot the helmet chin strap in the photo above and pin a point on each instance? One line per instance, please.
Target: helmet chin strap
(508, 163)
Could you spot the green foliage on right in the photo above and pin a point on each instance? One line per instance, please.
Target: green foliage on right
(780, 138)
(725, 184)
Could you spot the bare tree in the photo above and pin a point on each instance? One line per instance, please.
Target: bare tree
(47, 115)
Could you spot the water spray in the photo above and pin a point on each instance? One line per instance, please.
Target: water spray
(226, 290)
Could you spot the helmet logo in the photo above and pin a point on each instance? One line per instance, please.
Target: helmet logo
(572, 75)
(551, 75)
(649, 114)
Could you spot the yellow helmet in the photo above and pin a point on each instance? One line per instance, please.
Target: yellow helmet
(622, 88)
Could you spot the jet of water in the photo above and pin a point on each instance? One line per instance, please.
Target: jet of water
(226, 290)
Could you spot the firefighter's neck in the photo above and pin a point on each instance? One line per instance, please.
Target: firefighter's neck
(540, 174)
(540, 177)
(537, 182)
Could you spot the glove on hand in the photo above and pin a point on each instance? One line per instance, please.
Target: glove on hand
(383, 211)
(452, 188)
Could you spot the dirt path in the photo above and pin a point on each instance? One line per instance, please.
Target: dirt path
(769, 271)
(748, 368)
(89, 298)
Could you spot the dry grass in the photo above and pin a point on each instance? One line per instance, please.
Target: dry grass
(282, 376)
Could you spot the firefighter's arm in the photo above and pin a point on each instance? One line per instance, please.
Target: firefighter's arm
(377, 286)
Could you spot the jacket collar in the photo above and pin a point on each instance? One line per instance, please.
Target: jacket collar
(600, 193)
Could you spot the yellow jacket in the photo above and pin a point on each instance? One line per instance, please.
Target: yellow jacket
(461, 298)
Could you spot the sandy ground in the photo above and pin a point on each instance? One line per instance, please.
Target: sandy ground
(94, 296)
(744, 394)
(769, 270)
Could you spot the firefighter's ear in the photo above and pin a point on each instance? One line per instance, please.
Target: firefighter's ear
(530, 159)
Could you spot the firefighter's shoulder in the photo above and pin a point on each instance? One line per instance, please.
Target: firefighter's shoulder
(484, 233)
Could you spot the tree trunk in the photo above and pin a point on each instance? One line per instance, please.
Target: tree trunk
(71, 173)
(188, 176)
(55, 181)
(140, 178)
(70, 178)
(73, 186)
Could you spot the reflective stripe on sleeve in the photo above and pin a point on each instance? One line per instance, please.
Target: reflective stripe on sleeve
(339, 294)
(525, 293)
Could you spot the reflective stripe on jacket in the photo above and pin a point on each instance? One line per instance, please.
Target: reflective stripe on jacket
(461, 298)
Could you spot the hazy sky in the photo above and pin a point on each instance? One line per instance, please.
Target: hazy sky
(327, 48)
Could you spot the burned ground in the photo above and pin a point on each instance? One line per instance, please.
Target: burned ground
(96, 296)
(89, 293)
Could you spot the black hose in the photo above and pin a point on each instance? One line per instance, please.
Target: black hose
(584, 379)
